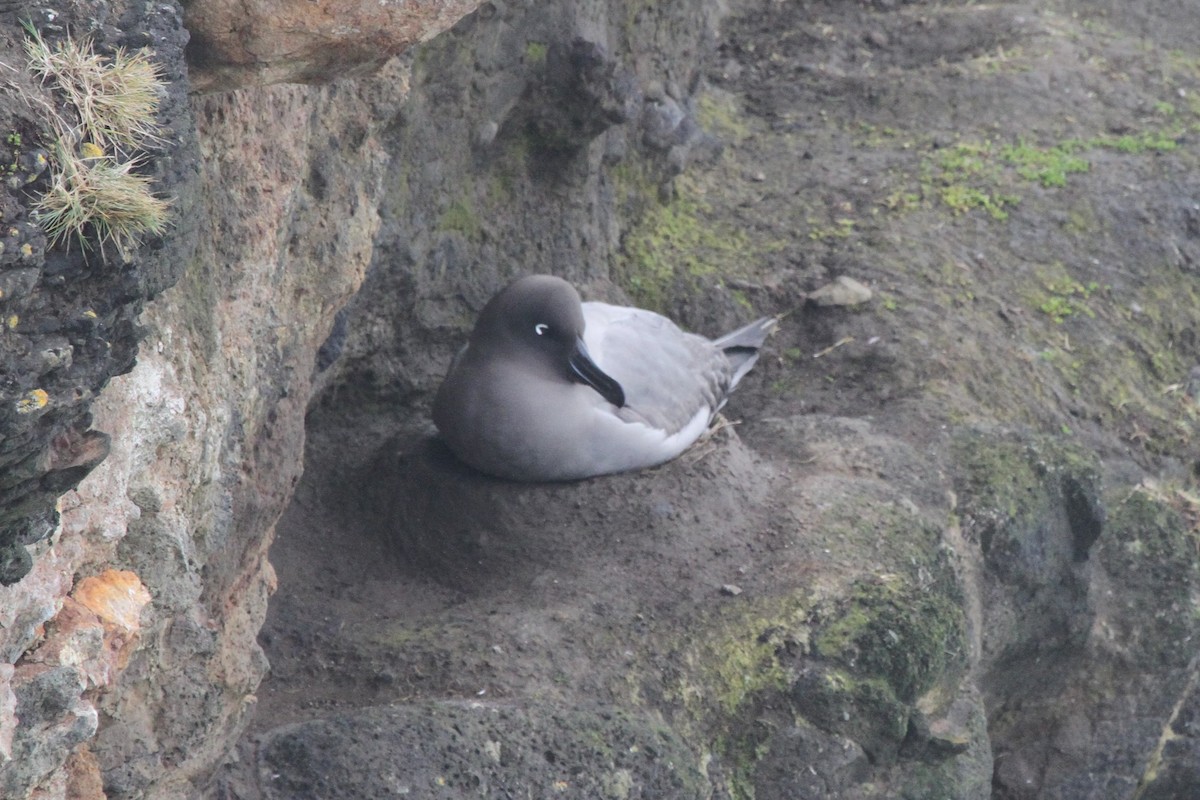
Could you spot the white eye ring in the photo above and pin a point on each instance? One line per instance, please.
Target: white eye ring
(541, 328)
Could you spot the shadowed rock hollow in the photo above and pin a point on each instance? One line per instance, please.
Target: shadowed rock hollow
(948, 550)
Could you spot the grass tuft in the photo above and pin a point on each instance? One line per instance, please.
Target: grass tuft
(102, 195)
(109, 119)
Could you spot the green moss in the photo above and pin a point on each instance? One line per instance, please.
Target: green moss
(460, 217)
(841, 228)
(1062, 297)
(732, 656)
(675, 243)
(1163, 108)
(1030, 502)
(1151, 550)
(902, 200)
(888, 639)
(965, 176)
(1001, 474)
(968, 159)
(720, 114)
(742, 753)
(1048, 166)
(852, 664)
(1132, 379)
(1151, 541)
(894, 630)
(981, 175)
(724, 666)
(961, 198)
(1147, 141)
(535, 53)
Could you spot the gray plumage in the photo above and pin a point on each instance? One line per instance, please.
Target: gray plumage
(549, 388)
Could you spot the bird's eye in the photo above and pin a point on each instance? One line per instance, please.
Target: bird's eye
(541, 328)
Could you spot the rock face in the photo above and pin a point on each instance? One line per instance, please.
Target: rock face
(239, 44)
(69, 618)
(217, 368)
(69, 321)
(949, 551)
(206, 432)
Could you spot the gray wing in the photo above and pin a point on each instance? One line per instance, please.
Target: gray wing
(668, 375)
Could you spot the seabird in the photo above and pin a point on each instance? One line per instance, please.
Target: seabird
(552, 389)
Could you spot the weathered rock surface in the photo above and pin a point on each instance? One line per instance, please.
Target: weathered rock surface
(482, 748)
(69, 321)
(215, 467)
(69, 621)
(240, 44)
(206, 433)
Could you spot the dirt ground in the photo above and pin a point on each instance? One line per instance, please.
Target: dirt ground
(881, 141)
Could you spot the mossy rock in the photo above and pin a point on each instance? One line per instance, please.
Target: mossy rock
(731, 659)
(1032, 505)
(907, 635)
(886, 643)
(1151, 552)
(865, 710)
(1030, 502)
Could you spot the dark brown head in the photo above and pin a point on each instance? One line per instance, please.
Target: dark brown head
(538, 320)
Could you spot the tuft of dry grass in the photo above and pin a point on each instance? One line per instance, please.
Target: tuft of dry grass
(102, 195)
(109, 120)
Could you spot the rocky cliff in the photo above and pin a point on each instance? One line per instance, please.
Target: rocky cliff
(949, 550)
(203, 436)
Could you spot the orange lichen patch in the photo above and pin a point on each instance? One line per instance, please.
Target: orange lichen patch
(32, 401)
(115, 596)
(84, 780)
(113, 599)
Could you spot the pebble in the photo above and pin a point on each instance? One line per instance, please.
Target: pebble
(844, 291)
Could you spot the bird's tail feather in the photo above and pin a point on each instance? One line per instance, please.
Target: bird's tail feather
(741, 346)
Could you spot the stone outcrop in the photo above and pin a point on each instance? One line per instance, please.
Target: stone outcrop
(239, 44)
(214, 466)
(865, 617)
(70, 319)
(206, 433)
(69, 618)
